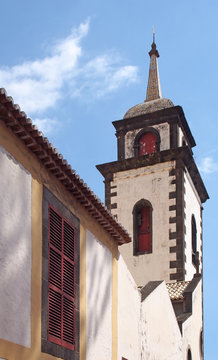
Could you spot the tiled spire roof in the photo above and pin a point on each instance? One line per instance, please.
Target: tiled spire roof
(153, 88)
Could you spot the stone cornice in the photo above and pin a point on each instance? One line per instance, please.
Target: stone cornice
(183, 154)
(173, 114)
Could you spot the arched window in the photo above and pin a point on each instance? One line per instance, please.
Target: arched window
(189, 355)
(147, 141)
(201, 342)
(142, 227)
(194, 240)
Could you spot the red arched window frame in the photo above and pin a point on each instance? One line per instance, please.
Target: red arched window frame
(142, 227)
(147, 143)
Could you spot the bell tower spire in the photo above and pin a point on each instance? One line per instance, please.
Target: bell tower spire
(155, 190)
(153, 88)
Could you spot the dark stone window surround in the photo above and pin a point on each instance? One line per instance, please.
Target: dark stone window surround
(179, 263)
(121, 144)
(140, 204)
(201, 343)
(47, 346)
(194, 240)
(144, 131)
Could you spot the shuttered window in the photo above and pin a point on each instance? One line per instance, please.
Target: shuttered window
(147, 143)
(61, 280)
(144, 229)
(194, 239)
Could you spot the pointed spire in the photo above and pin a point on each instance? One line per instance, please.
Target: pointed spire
(153, 89)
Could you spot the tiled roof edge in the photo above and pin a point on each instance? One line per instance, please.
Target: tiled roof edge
(23, 128)
(176, 289)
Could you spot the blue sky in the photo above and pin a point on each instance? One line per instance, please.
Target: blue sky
(76, 66)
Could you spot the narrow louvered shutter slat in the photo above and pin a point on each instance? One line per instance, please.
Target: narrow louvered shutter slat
(68, 322)
(68, 285)
(68, 241)
(55, 269)
(55, 277)
(54, 316)
(55, 229)
(68, 278)
(68, 264)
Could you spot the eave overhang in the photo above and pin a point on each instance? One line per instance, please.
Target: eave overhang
(181, 153)
(22, 127)
(170, 115)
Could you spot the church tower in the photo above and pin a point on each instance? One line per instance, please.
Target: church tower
(154, 188)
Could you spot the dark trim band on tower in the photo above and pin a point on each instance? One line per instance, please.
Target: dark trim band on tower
(172, 115)
(183, 153)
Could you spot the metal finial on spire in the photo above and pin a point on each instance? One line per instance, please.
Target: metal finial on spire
(153, 34)
(153, 88)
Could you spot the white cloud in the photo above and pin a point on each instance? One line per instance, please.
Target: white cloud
(37, 85)
(46, 125)
(208, 165)
(103, 75)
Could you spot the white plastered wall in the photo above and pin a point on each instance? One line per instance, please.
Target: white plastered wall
(15, 251)
(193, 206)
(161, 337)
(193, 325)
(151, 183)
(163, 130)
(99, 299)
(180, 136)
(129, 302)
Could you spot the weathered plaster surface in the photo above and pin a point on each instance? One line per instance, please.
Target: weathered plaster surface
(99, 299)
(163, 130)
(160, 334)
(151, 183)
(193, 325)
(193, 207)
(129, 302)
(15, 251)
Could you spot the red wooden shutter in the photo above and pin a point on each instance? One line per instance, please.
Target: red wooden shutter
(144, 230)
(61, 282)
(147, 143)
(68, 286)
(55, 277)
